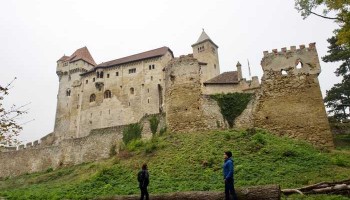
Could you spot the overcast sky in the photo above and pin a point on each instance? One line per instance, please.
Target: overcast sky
(35, 34)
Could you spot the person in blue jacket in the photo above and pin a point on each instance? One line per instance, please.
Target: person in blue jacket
(228, 170)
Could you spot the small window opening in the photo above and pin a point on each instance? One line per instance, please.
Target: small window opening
(98, 74)
(107, 75)
(149, 67)
(299, 65)
(132, 90)
(92, 97)
(148, 90)
(87, 81)
(107, 94)
(148, 100)
(133, 70)
(117, 74)
(109, 111)
(284, 72)
(151, 78)
(152, 66)
(93, 80)
(214, 66)
(68, 92)
(101, 74)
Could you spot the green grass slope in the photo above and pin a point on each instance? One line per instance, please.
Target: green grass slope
(189, 162)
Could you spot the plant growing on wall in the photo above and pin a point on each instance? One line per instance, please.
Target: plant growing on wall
(232, 105)
(154, 122)
(132, 132)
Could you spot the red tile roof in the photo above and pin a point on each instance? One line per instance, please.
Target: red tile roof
(80, 54)
(136, 57)
(224, 78)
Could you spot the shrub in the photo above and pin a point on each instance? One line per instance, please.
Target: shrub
(132, 132)
(112, 151)
(49, 170)
(154, 121)
(232, 105)
(162, 130)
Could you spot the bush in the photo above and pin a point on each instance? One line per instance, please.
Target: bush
(132, 132)
(154, 121)
(162, 130)
(112, 151)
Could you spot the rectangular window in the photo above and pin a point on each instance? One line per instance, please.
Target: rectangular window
(133, 70)
(149, 67)
(107, 75)
(86, 82)
(117, 74)
(152, 66)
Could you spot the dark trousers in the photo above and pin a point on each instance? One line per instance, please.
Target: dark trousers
(230, 190)
(144, 193)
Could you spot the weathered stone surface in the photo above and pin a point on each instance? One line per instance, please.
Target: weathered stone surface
(291, 104)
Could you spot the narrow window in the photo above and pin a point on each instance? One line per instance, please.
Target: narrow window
(68, 92)
(148, 100)
(214, 66)
(148, 90)
(107, 75)
(98, 74)
(152, 66)
(86, 82)
(92, 98)
(117, 74)
(132, 90)
(149, 67)
(101, 74)
(107, 94)
(93, 80)
(151, 78)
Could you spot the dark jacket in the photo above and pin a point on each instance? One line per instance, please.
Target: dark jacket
(228, 169)
(143, 178)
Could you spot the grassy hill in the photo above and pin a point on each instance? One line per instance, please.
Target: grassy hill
(189, 162)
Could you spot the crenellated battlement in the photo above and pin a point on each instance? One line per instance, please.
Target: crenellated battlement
(284, 50)
(293, 61)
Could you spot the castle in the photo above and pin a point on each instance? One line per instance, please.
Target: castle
(123, 90)
(95, 102)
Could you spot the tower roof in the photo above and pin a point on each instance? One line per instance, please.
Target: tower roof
(80, 54)
(238, 64)
(203, 38)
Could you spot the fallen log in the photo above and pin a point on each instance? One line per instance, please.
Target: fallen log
(267, 192)
(338, 187)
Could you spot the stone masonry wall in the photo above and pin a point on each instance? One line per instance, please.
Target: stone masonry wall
(186, 108)
(290, 100)
(39, 157)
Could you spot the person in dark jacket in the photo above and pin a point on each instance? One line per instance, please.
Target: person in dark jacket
(143, 179)
(228, 170)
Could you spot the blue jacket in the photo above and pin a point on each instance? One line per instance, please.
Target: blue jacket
(228, 169)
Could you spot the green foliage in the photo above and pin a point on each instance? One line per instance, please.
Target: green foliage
(338, 97)
(49, 170)
(189, 162)
(154, 122)
(340, 13)
(112, 151)
(232, 105)
(162, 130)
(132, 132)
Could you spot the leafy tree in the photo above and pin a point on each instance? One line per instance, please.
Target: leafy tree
(9, 127)
(339, 8)
(338, 97)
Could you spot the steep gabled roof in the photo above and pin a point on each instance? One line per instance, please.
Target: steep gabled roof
(136, 57)
(63, 58)
(203, 38)
(82, 54)
(224, 78)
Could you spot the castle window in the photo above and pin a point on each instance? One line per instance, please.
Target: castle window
(149, 67)
(148, 90)
(92, 98)
(152, 66)
(148, 100)
(214, 66)
(101, 74)
(107, 75)
(66, 63)
(151, 78)
(133, 70)
(87, 81)
(68, 92)
(117, 74)
(132, 90)
(93, 80)
(98, 74)
(107, 94)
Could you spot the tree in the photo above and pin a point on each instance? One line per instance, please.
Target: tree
(339, 8)
(338, 97)
(9, 127)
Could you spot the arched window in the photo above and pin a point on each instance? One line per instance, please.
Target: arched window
(92, 98)
(68, 92)
(132, 90)
(107, 94)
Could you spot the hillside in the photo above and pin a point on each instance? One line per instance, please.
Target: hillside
(189, 162)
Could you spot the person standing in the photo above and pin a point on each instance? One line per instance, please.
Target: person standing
(228, 170)
(143, 179)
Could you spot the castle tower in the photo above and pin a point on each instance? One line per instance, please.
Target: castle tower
(239, 71)
(206, 52)
(68, 71)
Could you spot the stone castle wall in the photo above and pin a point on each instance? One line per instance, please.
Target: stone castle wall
(39, 157)
(185, 106)
(290, 101)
